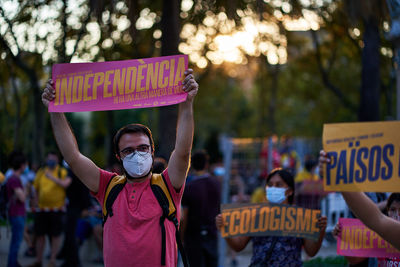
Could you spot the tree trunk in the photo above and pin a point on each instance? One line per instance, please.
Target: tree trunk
(38, 130)
(170, 39)
(275, 70)
(17, 99)
(109, 148)
(370, 79)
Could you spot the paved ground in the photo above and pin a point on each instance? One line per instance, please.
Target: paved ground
(89, 252)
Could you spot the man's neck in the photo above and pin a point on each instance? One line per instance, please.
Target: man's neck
(139, 180)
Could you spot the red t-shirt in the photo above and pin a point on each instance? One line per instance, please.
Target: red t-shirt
(16, 207)
(132, 236)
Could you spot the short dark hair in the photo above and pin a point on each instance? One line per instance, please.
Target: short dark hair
(199, 160)
(53, 152)
(394, 197)
(16, 159)
(159, 165)
(132, 128)
(309, 164)
(286, 176)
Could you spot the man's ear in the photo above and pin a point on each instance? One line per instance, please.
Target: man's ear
(118, 157)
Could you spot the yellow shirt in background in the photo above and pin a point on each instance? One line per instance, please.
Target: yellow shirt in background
(305, 176)
(50, 195)
(258, 195)
(2, 177)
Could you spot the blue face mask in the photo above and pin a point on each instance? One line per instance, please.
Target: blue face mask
(51, 163)
(275, 195)
(219, 171)
(26, 170)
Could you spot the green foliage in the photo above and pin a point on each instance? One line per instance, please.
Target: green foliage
(248, 100)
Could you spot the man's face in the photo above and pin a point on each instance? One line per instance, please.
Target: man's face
(131, 142)
(52, 161)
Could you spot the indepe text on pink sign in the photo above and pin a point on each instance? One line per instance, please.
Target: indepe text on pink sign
(138, 83)
(358, 240)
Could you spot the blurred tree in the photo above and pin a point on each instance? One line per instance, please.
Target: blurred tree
(170, 26)
(371, 15)
(269, 83)
(361, 23)
(27, 42)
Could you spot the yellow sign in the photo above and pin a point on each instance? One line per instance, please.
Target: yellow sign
(364, 156)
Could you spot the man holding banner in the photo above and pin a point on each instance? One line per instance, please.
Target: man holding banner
(132, 236)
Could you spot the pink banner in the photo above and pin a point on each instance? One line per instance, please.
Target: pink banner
(138, 83)
(358, 240)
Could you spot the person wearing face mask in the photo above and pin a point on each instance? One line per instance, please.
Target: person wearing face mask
(392, 210)
(277, 250)
(50, 186)
(201, 203)
(368, 212)
(16, 205)
(132, 236)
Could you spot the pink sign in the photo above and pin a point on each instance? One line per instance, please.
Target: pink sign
(358, 240)
(138, 83)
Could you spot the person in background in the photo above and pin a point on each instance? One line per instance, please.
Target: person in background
(392, 210)
(289, 157)
(2, 178)
(16, 209)
(277, 250)
(309, 186)
(78, 200)
(159, 165)
(369, 213)
(90, 224)
(29, 234)
(50, 185)
(264, 157)
(201, 203)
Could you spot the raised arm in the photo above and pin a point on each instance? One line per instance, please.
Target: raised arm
(82, 166)
(180, 157)
(369, 213)
(371, 216)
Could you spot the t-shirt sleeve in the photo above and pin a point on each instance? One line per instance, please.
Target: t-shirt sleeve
(14, 183)
(176, 195)
(105, 177)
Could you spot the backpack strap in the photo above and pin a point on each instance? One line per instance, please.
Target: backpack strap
(114, 187)
(161, 192)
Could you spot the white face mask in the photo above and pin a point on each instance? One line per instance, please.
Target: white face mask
(138, 164)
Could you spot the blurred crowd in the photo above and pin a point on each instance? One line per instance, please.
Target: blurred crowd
(58, 206)
(48, 202)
